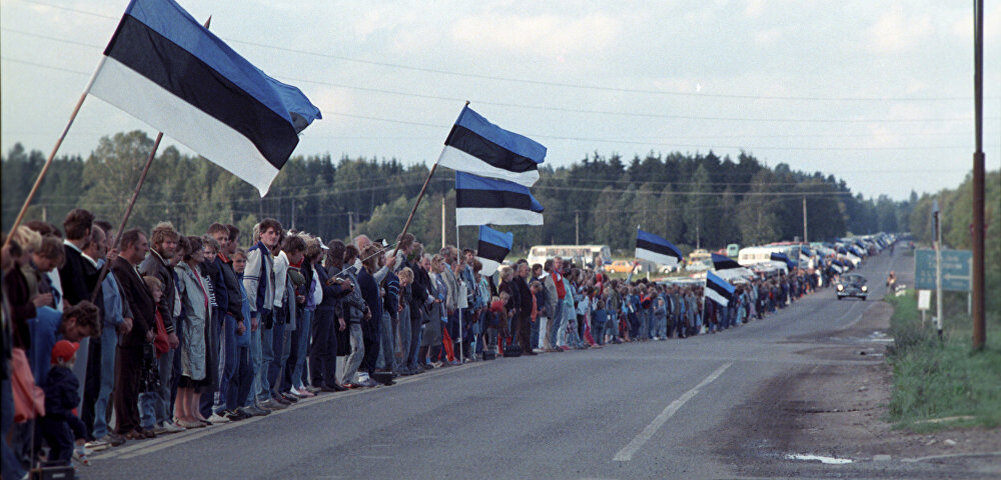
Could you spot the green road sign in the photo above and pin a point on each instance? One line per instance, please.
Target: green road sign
(956, 268)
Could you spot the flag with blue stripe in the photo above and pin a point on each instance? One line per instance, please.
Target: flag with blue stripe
(482, 201)
(492, 248)
(656, 249)
(164, 68)
(479, 147)
(717, 289)
(781, 257)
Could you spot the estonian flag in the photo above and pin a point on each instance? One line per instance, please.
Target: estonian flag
(722, 262)
(164, 68)
(655, 249)
(717, 289)
(481, 201)
(479, 147)
(781, 257)
(492, 249)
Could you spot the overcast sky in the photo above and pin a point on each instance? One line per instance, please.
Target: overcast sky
(878, 93)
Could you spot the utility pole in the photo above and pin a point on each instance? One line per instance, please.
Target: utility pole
(351, 224)
(697, 246)
(442, 222)
(293, 213)
(979, 302)
(938, 267)
(576, 222)
(805, 238)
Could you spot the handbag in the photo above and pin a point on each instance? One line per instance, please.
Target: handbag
(29, 398)
(160, 341)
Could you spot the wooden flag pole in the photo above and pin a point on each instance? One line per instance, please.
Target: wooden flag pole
(48, 162)
(132, 203)
(420, 196)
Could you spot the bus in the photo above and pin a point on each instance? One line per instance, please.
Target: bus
(753, 255)
(594, 256)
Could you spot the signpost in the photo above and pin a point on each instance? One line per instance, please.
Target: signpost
(956, 270)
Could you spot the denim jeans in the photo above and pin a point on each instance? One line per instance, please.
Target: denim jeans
(386, 351)
(11, 464)
(557, 319)
(533, 336)
(231, 363)
(357, 352)
(255, 366)
(304, 327)
(403, 331)
(267, 358)
(109, 345)
(279, 352)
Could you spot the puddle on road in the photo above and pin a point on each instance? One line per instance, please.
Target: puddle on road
(820, 458)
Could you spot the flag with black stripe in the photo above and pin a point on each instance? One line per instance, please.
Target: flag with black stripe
(655, 249)
(479, 147)
(717, 289)
(482, 201)
(781, 257)
(166, 69)
(723, 262)
(492, 248)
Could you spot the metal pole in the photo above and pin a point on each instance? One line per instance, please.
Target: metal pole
(442, 222)
(459, 259)
(938, 272)
(978, 299)
(804, 221)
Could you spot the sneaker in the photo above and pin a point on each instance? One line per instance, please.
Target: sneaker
(171, 427)
(216, 418)
(312, 389)
(99, 444)
(159, 429)
(81, 457)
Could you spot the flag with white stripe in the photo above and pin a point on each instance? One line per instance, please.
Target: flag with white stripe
(655, 249)
(164, 68)
(492, 248)
(482, 201)
(717, 289)
(479, 147)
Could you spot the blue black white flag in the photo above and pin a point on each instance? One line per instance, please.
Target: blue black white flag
(652, 247)
(493, 248)
(717, 289)
(723, 262)
(479, 147)
(781, 257)
(482, 201)
(164, 68)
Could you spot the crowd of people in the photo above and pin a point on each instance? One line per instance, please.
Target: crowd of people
(167, 332)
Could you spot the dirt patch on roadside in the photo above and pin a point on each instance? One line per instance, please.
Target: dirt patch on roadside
(839, 411)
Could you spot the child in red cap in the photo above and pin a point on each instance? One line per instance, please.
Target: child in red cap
(60, 426)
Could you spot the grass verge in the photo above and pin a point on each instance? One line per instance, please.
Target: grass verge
(938, 379)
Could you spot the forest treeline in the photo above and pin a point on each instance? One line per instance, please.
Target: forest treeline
(691, 199)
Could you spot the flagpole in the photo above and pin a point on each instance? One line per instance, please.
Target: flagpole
(458, 257)
(420, 196)
(132, 203)
(48, 162)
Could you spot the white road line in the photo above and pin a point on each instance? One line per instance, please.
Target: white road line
(626, 454)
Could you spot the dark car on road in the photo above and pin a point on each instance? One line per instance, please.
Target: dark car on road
(852, 285)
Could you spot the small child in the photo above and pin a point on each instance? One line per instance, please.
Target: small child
(60, 426)
(599, 322)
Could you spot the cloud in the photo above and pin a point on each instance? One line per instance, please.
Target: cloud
(754, 8)
(544, 35)
(895, 31)
(768, 37)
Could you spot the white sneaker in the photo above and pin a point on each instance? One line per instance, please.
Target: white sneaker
(171, 427)
(216, 418)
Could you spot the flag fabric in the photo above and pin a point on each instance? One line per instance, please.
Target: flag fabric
(482, 201)
(479, 147)
(164, 68)
(717, 289)
(493, 248)
(723, 262)
(652, 247)
(781, 257)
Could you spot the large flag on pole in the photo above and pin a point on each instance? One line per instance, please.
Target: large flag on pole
(164, 68)
(481, 201)
(492, 248)
(479, 147)
(723, 262)
(652, 247)
(717, 289)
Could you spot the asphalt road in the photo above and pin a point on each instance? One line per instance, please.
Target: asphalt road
(624, 411)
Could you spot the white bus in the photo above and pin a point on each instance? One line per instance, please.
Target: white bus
(589, 255)
(753, 255)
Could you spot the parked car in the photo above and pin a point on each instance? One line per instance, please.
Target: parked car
(852, 285)
(622, 266)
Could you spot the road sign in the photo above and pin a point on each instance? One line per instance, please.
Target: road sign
(956, 268)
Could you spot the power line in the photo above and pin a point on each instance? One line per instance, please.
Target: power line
(543, 82)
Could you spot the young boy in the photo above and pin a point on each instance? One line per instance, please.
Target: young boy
(60, 426)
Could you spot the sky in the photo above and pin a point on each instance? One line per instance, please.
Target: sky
(877, 93)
